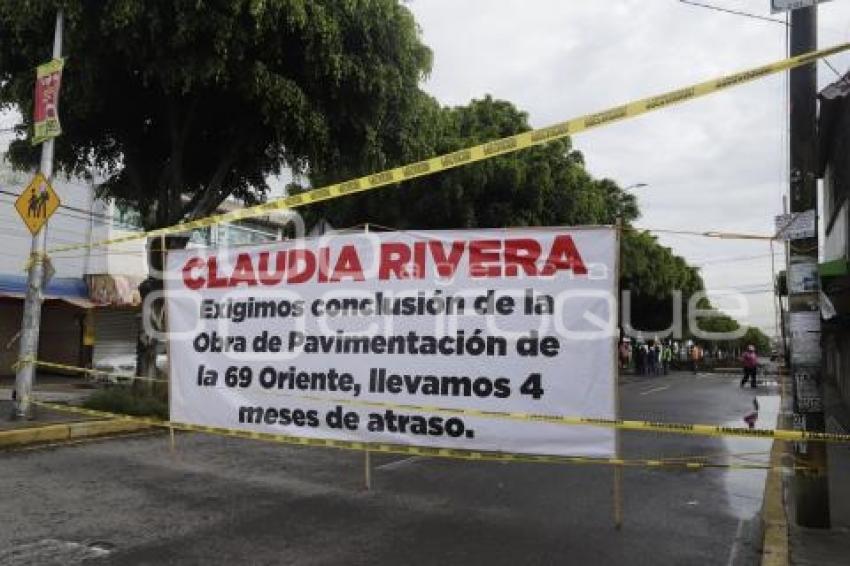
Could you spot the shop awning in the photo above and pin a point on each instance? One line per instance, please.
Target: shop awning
(67, 289)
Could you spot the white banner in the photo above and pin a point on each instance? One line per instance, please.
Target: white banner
(293, 337)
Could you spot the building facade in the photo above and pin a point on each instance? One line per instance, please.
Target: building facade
(91, 312)
(834, 169)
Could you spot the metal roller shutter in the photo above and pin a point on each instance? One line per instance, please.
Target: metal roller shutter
(116, 332)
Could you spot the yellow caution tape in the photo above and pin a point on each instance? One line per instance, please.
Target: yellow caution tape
(653, 426)
(483, 151)
(94, 373)
(422, 451)
(25, 361)
(34, 258)
(713, 234)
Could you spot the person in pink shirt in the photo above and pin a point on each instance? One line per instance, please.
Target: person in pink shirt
(751, 363)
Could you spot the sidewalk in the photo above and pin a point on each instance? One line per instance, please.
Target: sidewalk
(50, 388)
(49, 382)
(815, 547)
(49, 426)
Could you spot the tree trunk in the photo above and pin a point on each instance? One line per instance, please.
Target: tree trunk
(150, 344)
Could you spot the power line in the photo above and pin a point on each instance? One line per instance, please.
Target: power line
(82, 211)
(732, 259)
(736, 12)
(753, 16)
(764, 291)
(828, 64)
(29, 237)
(711, 234)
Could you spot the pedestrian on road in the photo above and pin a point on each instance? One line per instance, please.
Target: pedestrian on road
(695, 356)
(666, 358)
(751, 362)
(624, 355)
(652, 361)
(656, 353)
(640, 359)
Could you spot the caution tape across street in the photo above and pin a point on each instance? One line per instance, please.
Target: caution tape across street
(92, 373)
(483, 151)
(621, 424)
(421, 451)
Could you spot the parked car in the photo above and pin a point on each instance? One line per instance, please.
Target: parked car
(122, 368)
(117, 367)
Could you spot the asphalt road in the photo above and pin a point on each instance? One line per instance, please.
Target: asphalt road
(227, 501)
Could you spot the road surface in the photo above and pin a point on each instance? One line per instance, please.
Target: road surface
(229, 501)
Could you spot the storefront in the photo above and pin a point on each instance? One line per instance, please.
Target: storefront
(63, 314)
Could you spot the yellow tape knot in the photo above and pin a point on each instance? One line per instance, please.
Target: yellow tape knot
(22, 363)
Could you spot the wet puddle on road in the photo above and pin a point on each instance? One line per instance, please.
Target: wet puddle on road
(745, 488)
(53, 552)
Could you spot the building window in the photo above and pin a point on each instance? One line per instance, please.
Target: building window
(240, 234)
(125, 217)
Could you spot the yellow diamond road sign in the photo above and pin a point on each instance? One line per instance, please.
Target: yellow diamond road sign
(37, 203)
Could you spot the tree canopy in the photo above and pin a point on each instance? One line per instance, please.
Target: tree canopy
(541, 186)
(183, 104)
(651, 273)
(757, 338)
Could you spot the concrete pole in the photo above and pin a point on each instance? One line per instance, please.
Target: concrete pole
(811, 487)
(28, 349)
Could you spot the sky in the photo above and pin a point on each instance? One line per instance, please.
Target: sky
(716, 163)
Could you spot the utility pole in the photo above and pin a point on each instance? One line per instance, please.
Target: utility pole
(28, 349)
(811, 488)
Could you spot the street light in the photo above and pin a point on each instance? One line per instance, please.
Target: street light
(635, 186)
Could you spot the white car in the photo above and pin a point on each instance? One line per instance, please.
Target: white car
(122, 368)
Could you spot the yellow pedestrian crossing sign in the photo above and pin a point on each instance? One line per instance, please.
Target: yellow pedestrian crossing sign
(37, 203)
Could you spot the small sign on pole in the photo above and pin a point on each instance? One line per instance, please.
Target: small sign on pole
(37, 203)
(48, 78)
(796, 225)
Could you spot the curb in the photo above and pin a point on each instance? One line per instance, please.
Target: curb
(775, 547)
(775, 551)
(66, 432)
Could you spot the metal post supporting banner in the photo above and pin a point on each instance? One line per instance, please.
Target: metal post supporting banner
(367, 459)
(28, 348)
(172, 444)
(618, 470)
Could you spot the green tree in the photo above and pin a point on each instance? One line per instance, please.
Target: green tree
(182, 104)
(754, 336)
(541, 186)
(185, 103)
(659, 282)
